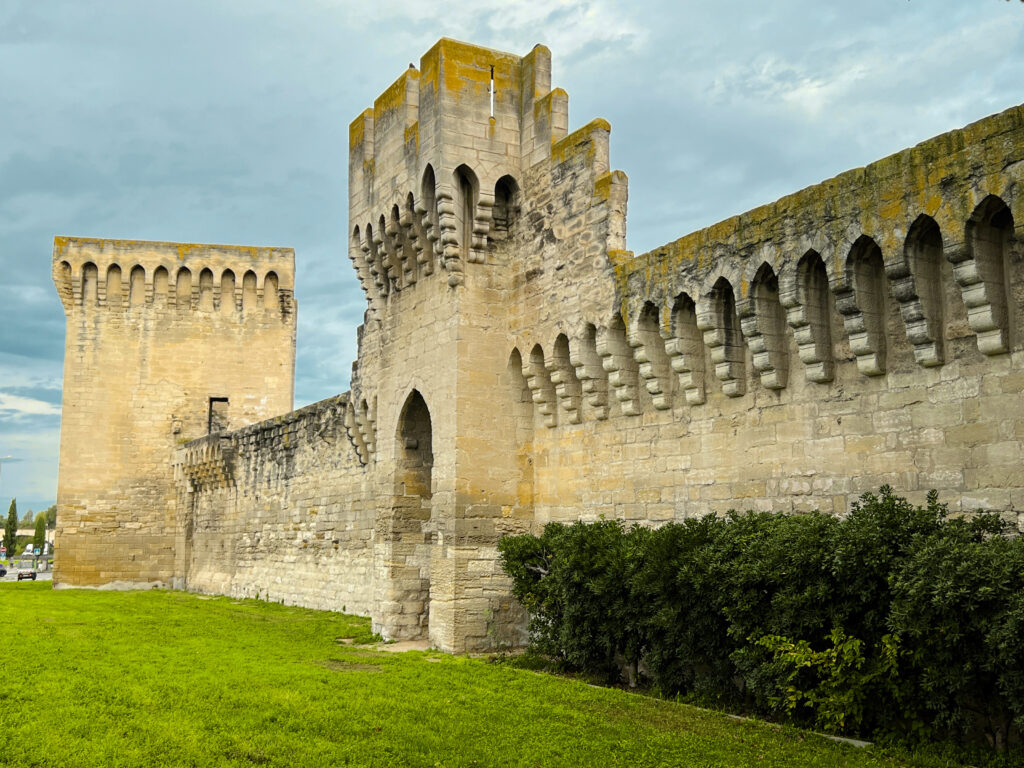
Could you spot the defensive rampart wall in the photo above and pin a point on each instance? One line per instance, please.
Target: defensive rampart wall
(862, 331)
(281, 510)
(517, 365)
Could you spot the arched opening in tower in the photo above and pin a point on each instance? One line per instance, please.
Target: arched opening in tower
(416, 456)
(414, 487)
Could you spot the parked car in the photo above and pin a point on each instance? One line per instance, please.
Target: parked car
(26, 570)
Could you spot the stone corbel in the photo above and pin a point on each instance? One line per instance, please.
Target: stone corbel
(591, 376)
(428, 238)
(921, 331)
(686, 358)
(355, 435)
(410, 236)
(986, 311)
(726, 353)
(395, 246)
(813, 340)
(567, 386)
(867, 339)
(617, 360)
(373, 261)
(767, 350)
(450, 255)
(482, 221)
(542, 390)
(651, 368)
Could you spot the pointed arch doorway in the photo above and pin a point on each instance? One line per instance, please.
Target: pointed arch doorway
(413, 534)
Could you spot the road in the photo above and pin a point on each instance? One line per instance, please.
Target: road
(12, 575)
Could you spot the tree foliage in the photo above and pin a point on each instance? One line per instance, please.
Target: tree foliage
(39, 539)
(11, 528)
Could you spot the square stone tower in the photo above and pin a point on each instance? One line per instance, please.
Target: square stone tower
(166, 342)
(471, 207)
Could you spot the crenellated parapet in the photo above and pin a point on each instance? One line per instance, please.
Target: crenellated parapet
(132, 275)
(867, 240)
(207, 463)
(885, 266)
(261, 452)
(443, 165)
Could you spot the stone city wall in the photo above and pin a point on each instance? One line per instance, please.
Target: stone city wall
(863, 331)
(280, 510)
(517, 365)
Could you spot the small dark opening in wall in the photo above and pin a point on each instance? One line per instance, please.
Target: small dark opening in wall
(217, 416)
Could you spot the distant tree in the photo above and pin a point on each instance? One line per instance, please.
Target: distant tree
(28, 520)
(40, 538)
(11, 529)
(51, 516)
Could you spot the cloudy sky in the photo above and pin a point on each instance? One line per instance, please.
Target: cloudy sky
(226, 121)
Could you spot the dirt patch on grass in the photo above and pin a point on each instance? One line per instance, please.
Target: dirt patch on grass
(341, 665)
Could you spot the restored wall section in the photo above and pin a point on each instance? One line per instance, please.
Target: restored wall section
(282, 510)
(154, 330)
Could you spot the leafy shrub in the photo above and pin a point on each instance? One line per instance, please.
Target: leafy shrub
(574, 580)
(843, 685)
(685, 633)
(956, 602)
(893, 620)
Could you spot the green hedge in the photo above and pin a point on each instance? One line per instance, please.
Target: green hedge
(895, 620)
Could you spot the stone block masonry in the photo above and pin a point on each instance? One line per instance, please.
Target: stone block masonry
(517, 365)
(162, 339)
(280, 510)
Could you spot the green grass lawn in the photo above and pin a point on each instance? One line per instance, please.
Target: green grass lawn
(171, 679)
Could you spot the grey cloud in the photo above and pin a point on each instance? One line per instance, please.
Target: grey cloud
(227, 122)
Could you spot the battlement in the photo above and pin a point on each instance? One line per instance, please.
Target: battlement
(438, 166)
(131, 274)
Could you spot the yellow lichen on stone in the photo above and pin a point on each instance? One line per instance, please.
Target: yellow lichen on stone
(544, 106)
(357, 129)
(579, 142)
(603, 186)
(394, 97)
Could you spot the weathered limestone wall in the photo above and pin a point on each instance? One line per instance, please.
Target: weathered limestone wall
(464, 184)
(859, 332)
(517, 365)
(280, 510)
(153, 331)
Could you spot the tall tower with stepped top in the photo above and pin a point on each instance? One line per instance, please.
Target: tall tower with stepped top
(470, 206)
(165, 342)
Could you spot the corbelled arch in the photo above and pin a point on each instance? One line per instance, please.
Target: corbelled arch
(764, 326)
(809, 305)
(863, 301)
(719, 320)
(982, 274)
(917, 285)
